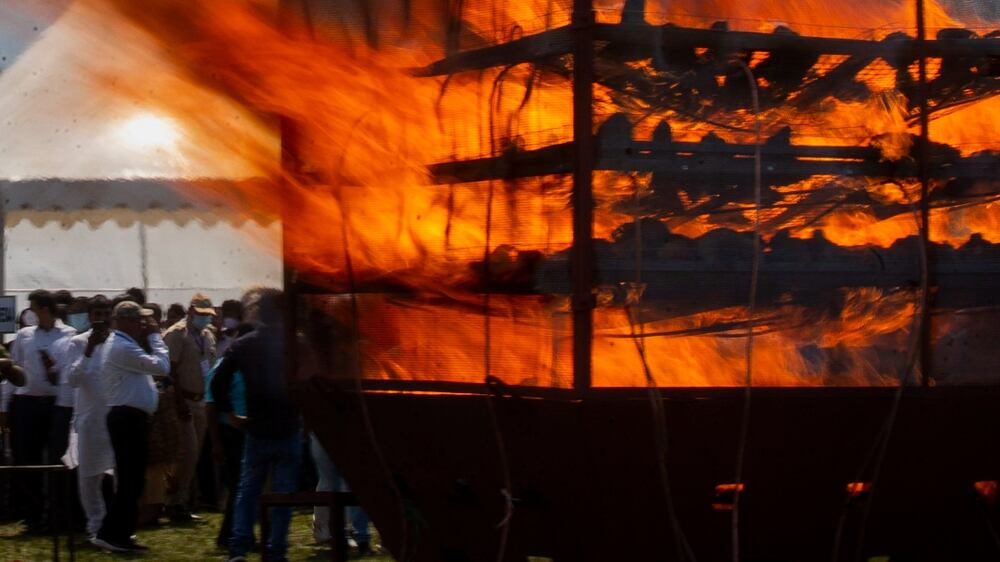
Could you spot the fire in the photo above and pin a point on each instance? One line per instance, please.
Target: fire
(852, 19)
(149, 131)
(795, 346)
(360, 128)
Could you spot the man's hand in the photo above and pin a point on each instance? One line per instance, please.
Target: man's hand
(50, 367)
(10, 371)
(238, 422)
(149, 327)
(97, 337)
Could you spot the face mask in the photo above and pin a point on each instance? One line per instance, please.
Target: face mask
(230, 323)
(29, 319)
(80, 321)
(200, 321)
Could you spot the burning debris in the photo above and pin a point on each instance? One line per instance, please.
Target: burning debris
(438, 162)
(486, 202)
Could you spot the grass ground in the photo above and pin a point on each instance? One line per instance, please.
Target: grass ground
(167, 543)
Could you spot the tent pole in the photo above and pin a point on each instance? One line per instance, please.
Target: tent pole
(143, 257)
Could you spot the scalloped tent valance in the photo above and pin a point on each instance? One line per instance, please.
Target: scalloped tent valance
(95, 202)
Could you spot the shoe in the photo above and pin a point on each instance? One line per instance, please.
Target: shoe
(321, 538)
(364, 548)
(135, 546)
(109, 545)
(179, 514)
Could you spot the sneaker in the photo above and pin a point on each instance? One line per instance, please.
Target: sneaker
(135, 545)
(364, 548)
(179, 514)
(109, 545)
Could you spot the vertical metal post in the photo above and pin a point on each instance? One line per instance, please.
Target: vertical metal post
(923, 161)
(3, 243)
(289, 165)
(143, 255)
(582, 261)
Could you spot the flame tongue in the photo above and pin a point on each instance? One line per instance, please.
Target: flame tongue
(359, 130)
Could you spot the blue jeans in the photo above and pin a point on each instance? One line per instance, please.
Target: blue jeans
(329, 481)
(281, 458)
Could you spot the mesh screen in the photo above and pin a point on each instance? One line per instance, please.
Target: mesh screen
(716, 124)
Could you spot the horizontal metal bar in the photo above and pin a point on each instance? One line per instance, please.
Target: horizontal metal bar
(644, 34)
(558, 41)
(693, 160)
(550, 43)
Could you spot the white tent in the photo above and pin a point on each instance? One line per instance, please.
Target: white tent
(79, 103)
(104, 236)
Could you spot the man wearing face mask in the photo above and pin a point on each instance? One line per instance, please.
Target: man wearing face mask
(77, 318)
(83, 373)
(232, 316)
(192, 354)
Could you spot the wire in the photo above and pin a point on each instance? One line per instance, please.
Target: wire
(507, 491)
(660, 433)
(365, 413)
(881, 443)
(751, 311)
(915, 338)
(356, 338)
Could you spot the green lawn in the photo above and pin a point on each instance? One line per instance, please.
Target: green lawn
(167, 543)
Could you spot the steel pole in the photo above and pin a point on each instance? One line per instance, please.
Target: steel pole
(582, 263)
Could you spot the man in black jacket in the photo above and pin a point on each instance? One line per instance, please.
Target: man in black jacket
(274, 432)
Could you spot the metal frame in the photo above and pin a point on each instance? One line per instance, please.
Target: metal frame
(581, 157)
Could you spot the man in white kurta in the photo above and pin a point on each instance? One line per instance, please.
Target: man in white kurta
(94, 453)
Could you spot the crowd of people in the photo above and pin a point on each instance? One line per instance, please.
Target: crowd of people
(137, 403)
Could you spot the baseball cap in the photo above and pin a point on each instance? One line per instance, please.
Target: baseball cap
(202, 305)
(129, 309)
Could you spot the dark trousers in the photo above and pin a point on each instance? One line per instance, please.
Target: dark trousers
(59, 432)
(129, 431)
(232, 451)
(62, 417)
(31, 425)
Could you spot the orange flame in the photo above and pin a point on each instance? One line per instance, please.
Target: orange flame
(360, 129)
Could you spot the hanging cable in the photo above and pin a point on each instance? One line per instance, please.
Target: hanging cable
(751, 311)
(404, 553)
(880, 446)
(633, 305)
(915, 339)
(919, 332)
(506, 492)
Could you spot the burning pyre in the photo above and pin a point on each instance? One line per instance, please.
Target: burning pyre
(431, 149)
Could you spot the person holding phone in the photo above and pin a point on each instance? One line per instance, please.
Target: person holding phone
(83, 373)
(36, 351)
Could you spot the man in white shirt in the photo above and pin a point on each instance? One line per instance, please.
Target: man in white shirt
(83, 373)
(38, 351)
(62, 416)
(128, 372)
